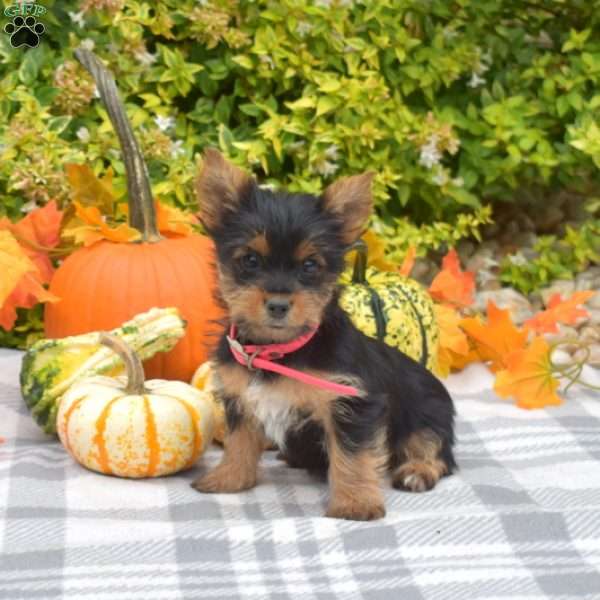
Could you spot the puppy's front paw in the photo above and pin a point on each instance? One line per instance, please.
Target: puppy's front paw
(223, 480)
(354, 510)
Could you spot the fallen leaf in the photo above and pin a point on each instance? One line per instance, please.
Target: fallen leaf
(409, 262)
(2, 440)
(22, 288)
(451, 284)
(83, 235)
(495, 339)
(14, 263)
(89, 190)
(559, 311)
(375, 253)
(170, 219)
(90, 215)
(37, 233)
(452, 341)
(528, 376)
(42, 225)
(92, 228)
(33, 235)
(27, 294)
(459, 361)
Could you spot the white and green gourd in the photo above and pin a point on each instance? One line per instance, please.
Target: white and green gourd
(50, 367)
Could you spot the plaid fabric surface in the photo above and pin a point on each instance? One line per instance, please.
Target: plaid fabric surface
(521, 519)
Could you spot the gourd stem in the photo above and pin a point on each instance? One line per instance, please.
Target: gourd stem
(359, 273)
(133, 364)
(142, 215)
(359, 276)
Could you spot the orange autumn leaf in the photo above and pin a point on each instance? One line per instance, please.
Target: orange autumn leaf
(95, 228)
(21, 281)
(495, 339)
(409, 262)
(170, 219)
(451, 284)
(28, 241)
(452, 341)
(37, 233)
(41, 226)
(14, 263)
(459, 361)
(27, 294)
(559, 311)
(528, 377)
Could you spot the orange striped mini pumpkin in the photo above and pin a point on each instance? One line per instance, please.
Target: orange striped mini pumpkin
(130, 428)
(205, 381)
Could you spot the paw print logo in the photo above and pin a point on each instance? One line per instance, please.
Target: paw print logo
(24, 32)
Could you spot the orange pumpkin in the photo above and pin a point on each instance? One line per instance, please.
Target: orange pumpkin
(108, 283)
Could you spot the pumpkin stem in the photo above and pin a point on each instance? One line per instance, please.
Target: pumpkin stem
(133, 365)
(142, 214)
(359, 273)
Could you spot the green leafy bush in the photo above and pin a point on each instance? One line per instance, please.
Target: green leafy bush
(554, 258)
(453, 104)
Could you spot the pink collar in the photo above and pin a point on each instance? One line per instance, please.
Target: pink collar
(254, 356)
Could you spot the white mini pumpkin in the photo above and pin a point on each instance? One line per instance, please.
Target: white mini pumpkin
(130, 428)
(205, 381)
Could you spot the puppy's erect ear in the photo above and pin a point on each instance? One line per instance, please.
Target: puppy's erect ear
(219, 187)
(350, 200)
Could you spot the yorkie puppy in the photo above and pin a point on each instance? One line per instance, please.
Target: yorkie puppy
(292, 367)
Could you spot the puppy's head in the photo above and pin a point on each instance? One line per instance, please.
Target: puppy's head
(279, 255)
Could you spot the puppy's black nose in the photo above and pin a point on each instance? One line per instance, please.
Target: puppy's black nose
(278, 308)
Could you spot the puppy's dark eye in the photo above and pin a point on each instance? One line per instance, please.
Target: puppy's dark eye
(310, 266)
(250, 261)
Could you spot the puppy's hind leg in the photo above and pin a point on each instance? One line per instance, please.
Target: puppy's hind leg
(422, 460)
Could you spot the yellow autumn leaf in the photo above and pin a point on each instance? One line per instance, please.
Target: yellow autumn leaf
(14, 263)
(89, 190)
(453, 341)
(375, 253)
(170, 219)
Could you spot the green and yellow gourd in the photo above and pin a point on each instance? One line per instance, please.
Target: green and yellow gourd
(51, 366)
(392, 308)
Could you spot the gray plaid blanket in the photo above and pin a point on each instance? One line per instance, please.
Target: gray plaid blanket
(521, 520)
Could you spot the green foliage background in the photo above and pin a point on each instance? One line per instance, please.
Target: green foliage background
(456, 104)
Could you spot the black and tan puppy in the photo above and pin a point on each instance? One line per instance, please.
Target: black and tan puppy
(279, 256)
